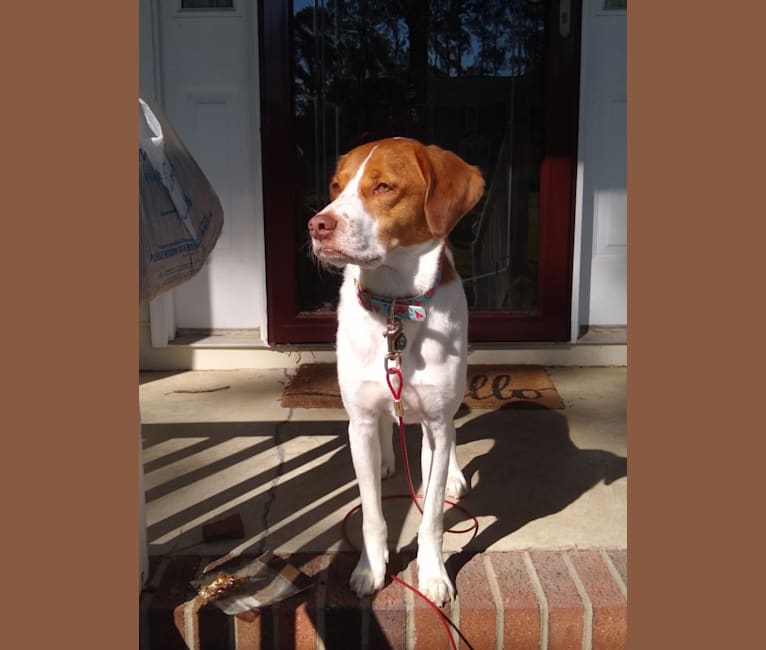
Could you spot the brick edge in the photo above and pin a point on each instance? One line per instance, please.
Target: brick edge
(535, 598)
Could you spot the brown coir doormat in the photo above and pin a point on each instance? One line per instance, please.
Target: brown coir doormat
(315, 385)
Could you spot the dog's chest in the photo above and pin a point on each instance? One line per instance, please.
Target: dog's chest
(431, 356)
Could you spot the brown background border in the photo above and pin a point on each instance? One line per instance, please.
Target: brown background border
(71, 336)
(70, 313)
(696, 182)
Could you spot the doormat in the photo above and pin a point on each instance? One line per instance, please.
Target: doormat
(491, 387)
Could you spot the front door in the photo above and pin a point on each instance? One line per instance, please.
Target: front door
(207, 54)
(495, 81)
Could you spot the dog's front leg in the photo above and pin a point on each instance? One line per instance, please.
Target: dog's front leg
(369, 574)
(432, 574)
(457, 486)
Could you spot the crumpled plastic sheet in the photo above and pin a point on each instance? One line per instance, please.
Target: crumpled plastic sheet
(244, 584)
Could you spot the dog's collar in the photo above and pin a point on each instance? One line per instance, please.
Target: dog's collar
(411, 307)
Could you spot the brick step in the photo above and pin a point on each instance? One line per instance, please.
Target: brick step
(519, 599)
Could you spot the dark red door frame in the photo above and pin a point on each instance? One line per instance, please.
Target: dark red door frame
(286, 324)
(551, 321)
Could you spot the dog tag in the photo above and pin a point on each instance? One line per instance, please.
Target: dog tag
(397, 341)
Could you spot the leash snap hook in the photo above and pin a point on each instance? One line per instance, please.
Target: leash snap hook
(395, 337)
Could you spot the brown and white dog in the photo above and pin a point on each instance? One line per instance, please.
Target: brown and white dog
(393, 203)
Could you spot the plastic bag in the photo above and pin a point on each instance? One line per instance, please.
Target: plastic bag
(180, 216)
(245, 584)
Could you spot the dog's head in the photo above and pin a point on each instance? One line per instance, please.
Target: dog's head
(392, 193)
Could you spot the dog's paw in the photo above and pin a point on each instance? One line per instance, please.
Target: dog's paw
(457, 486)
(438, 589)
(365, 579)
(433, 581)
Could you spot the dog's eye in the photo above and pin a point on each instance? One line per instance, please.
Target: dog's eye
(381, 188)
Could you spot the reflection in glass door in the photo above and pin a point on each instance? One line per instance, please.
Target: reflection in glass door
(475, 77)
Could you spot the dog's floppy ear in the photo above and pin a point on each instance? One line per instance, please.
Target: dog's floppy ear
(454, 187)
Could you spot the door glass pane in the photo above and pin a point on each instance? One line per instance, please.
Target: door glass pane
(467, 76)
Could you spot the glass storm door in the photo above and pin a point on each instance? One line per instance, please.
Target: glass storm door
(495, 81)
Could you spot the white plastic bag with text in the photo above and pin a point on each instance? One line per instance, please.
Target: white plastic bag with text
(180, 215)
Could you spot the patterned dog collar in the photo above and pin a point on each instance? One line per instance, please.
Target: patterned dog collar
(411, 308)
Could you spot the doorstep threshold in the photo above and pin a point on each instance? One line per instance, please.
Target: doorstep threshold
(219, 338)
(251, 338)
(237, 349)
(604, 335)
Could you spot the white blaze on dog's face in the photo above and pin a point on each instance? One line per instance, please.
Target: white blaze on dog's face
(391, 193)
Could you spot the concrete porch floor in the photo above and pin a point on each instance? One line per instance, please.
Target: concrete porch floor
(218, 442)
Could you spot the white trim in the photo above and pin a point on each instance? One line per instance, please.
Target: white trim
(161, 311)
(590, 231)
(150, 53)
(574, 332)
(162, 320)
(159, 84)
(577, 253)
(256, 151)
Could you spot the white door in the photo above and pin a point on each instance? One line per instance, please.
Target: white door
(604, 152)
(209, 85)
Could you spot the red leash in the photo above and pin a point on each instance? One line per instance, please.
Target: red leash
(396, 392)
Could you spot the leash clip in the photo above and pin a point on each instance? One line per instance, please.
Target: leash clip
(396, 343)
(394, 334)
